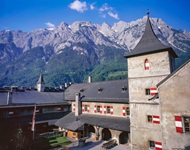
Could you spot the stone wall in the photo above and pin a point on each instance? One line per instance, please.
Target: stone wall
(175, 101)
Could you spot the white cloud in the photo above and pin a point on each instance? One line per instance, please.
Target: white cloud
(50, 25)
(92, 6)
(78, 6)
(113, 15)
(105, 7)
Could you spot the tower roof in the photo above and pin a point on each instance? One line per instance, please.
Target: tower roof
(149, 43)
(41, 80)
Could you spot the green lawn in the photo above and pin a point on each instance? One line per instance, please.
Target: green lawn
(53, 142)
(59, 141)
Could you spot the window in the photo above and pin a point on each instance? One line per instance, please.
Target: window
(147, 91)
(100, 90)
(124, 88)
(186, 124)
(127, 111)
(146, 64)
(98, 108)
(74, 133)
(85, 107)
(149, 118)
(155, 145)
(151, 144)
(108, 109)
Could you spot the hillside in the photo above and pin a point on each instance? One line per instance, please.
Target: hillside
(69, 53)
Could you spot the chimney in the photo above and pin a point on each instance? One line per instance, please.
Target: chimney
(89, 79)
(78, 107)
(9, 98)
(66, 85)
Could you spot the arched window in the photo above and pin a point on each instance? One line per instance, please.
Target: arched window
(146, 64)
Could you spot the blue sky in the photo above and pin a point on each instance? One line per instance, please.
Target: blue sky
(28, 15)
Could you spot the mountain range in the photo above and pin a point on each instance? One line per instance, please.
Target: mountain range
(69, 53)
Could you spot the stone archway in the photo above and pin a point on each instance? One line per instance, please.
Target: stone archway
(123, 138)
(106, 134)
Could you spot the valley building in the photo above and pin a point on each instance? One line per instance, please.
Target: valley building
(17, 107)
(150, 110)
(99, 110)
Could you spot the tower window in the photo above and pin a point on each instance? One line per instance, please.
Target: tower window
(146, 64)
(149, 118)
(187, 124)
(147, 91)
(151, 144)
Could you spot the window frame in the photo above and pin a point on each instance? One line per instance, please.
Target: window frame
(151, 144)
(85, 108)
(149, 118)
(108, 110)
(127, 111)
(186, 125)
(147, 91)
(98, 108)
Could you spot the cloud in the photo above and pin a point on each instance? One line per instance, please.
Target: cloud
(92, 6)
(50, 25)
(78, 6)
(113, 15)
(105, 7)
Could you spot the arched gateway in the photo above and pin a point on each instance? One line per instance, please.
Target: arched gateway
(123, 138)
(106, 134)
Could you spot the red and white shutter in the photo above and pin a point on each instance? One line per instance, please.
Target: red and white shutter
(104, 109)
(147, 65)
(94, 108)
(153, 91)
(88, 108)
(156, 119)
(100, 109)
(158, 145)
(82, 108)
(73, 107)
(178, 124)
(124, 111)
(111, 110)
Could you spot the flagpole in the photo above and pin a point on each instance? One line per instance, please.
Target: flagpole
(33, 121)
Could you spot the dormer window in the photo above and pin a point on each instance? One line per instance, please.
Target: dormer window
(100, 89)
(81, 90)
(124, 88)
(146, 64)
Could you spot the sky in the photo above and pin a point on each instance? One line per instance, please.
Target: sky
(29, 15)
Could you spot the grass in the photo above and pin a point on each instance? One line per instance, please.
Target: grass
(59, 141)
(52, 142)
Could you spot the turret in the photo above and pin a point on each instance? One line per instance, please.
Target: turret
(40, 84)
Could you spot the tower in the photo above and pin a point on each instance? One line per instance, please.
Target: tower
(41, 84)
(148, 63)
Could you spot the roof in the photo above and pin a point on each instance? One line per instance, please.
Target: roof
(37, 97)
(117, 123)
(41, 80)
(170, 75)
(107, 91)
(65, 122)
(3, 98)
(31, 97)
(149, 43)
